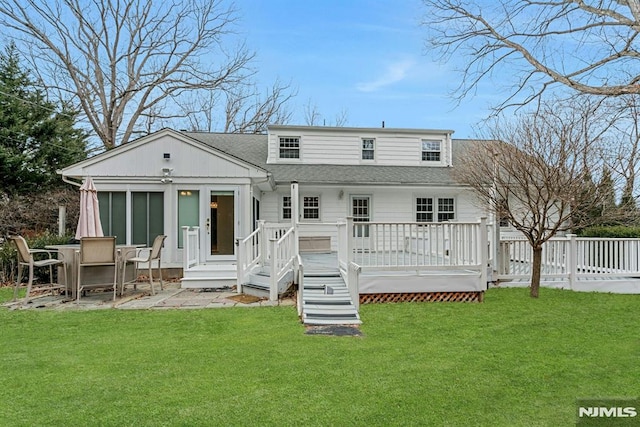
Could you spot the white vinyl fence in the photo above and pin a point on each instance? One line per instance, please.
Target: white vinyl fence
(571, 258)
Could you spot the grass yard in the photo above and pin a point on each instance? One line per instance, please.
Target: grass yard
(510, 361)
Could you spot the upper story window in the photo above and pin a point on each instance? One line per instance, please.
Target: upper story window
(311, 207)
(431, 150)
(368, 148)
(428, 211)
(289, 147)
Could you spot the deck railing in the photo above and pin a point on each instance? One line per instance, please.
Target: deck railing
(443, 245)
(282, 259)
(571, 258)
(191, 247)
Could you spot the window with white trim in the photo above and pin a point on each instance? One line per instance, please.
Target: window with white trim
(286, 207)
(289, 147)
(424, 209)
(446, 209)
(443, 210)
(431, 150)
(368, 148)
(311, 207)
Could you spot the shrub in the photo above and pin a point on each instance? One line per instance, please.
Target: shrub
(615, 231)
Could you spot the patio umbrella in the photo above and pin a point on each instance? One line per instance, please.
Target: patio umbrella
(89, 221)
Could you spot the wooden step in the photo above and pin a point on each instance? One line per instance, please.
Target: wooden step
(325, 311)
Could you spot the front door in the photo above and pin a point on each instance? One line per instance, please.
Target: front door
(220, 224)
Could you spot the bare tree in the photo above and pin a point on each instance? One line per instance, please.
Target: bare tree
(625, 147)
(313, 117)
(127, 61)
(589, 47)
(532, 173)
(248, 112)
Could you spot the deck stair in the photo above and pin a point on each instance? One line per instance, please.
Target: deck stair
(326, 300)
(260, 283)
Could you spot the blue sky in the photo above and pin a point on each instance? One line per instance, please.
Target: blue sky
(365, 57)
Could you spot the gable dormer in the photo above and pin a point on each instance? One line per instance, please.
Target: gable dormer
(358, 146)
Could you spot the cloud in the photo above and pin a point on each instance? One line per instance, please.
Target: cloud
(394, 73)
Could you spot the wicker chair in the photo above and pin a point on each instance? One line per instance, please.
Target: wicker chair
(26, 259)
(150, 254)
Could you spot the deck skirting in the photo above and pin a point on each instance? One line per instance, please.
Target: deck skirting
(467, 296)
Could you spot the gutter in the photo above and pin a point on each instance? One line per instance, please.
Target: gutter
(68, 181)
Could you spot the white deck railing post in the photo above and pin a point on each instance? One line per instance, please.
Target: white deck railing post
(483, 238)
(273, 276)
(240, 265)
(262, 244)
(572, 260)
(350, 233)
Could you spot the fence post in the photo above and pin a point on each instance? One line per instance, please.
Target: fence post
(483, 235)
(572, 261)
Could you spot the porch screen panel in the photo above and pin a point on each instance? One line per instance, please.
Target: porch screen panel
(113, 214)
(147, 217)
(188, 212)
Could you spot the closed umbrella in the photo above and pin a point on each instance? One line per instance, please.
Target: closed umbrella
(89, 221)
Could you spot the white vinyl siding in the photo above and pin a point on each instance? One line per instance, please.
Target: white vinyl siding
(335, 146)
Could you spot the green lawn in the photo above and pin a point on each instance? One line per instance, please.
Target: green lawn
(509, 361)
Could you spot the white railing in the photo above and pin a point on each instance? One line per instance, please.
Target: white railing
(343, 253)
(298, 269)
(420, 245)
(571, 258)
(191, 247)
(249, 256)
(282, 259)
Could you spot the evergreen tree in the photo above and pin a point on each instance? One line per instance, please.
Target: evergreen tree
(37, 137)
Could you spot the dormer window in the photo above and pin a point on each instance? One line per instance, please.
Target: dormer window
(368, 148)
(289, 147)
(431, 150)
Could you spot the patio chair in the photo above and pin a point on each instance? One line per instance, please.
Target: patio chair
(27, 258)
(96, 252)
(144, 255)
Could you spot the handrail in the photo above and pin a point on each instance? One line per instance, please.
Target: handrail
(249, 255)
(282, 258)
(299, 269)
(191, 246)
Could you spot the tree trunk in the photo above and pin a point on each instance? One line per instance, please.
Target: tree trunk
(535, 272)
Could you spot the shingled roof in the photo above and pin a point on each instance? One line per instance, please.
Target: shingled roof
(253, 148)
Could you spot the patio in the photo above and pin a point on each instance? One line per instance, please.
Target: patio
(172, 297)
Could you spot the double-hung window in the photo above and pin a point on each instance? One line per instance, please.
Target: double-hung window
(311, 207)
(431, 150)
(424, 209)
(286, 207)
(368, 148)
(289, 147)
(429, 209)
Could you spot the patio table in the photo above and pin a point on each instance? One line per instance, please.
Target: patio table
(93, 274)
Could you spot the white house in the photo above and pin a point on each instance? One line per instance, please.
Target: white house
(226, 184)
